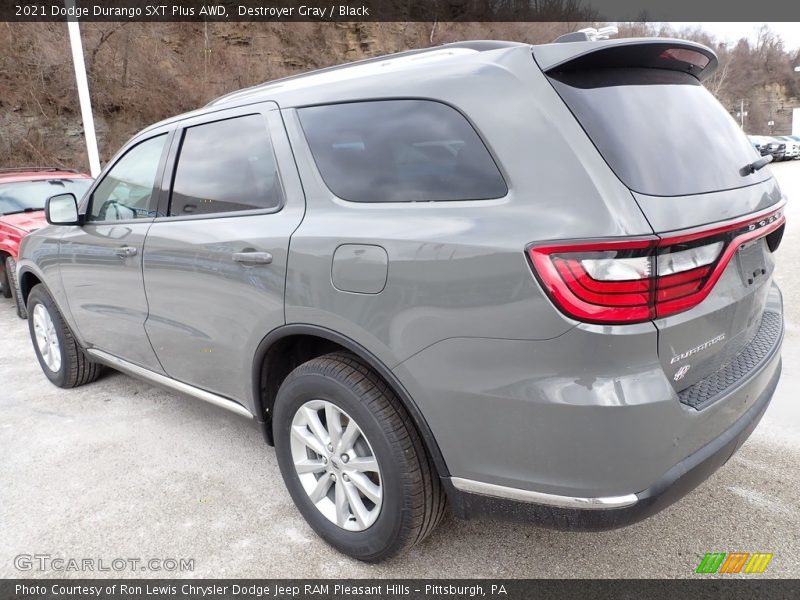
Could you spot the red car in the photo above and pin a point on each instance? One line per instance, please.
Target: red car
(23, 192)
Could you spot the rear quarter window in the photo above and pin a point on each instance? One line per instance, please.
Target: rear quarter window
(400, 151)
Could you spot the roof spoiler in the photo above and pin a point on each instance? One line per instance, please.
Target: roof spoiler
(653, 53)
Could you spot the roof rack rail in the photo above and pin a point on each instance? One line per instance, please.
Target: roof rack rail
(476, 45)
(588, 34)
(16, 169)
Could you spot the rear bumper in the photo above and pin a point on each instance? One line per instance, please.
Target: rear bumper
(611, 512)
(586, 422)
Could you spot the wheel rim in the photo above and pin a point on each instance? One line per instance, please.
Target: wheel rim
(46, 338)
(336, 465)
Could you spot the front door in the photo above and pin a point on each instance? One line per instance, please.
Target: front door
(101, 261)
(215, 266)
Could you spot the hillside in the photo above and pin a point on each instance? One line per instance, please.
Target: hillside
(140, 73)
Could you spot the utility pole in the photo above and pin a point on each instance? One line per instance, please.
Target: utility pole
(741, 114)
(770, 122)
(83, 88)
(796, 113)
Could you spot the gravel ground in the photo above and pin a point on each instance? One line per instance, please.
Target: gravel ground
(120, 469)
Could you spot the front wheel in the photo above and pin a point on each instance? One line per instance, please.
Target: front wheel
(353, 462)
(62, 360)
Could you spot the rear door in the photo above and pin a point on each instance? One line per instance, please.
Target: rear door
(685, 161)
(215, 265)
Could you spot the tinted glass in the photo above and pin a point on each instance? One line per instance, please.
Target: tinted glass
(25, 196)
(400, 151)
(126, 191)
(226, 166)
(660, 131)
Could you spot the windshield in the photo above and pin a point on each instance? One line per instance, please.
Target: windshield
(661, 131)
(24, 196)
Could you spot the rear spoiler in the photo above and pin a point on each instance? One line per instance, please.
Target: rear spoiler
(653, 53)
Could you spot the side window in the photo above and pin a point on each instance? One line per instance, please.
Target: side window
(400, 151)
(126, 190)
(226, 166)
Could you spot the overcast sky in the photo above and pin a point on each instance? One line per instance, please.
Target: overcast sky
(732, 32)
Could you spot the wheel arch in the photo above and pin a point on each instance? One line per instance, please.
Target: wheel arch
(26, 280)
(7, 250)
(278, 354)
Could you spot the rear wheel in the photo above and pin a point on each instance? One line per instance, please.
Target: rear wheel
(13, 288)
(352, 460)
(62, 360)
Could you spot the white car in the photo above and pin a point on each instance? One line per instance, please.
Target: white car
(792, 146)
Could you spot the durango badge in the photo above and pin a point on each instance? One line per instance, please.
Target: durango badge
(696, 349)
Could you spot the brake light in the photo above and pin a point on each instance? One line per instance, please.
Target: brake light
(691, 57)
(635, 280)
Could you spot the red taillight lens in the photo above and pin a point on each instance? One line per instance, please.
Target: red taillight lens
(636, 280)
(607, 282)
(691, 57)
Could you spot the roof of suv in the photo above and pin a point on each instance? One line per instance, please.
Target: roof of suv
(412, 72)
(390, 63)
(548, 56)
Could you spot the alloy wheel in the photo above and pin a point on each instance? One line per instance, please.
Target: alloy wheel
(46, 338)
(336, 465)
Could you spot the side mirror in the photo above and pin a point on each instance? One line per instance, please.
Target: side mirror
(62, 209)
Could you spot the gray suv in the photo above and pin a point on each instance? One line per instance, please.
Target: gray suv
(487, 273)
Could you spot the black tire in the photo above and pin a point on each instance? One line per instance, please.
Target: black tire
(414, 500)
(76, 368)
(5, 287)
(11, 276)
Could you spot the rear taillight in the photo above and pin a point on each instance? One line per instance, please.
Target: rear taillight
(634, 280)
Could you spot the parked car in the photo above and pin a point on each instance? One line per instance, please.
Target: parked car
(778, 149)
(792, 147)
(768, 145)
(487, 273)
(23, 192)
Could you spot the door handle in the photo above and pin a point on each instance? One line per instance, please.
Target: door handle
(253, 258)
(125, 251)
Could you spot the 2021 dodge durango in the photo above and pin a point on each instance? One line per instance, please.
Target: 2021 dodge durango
(487, 273)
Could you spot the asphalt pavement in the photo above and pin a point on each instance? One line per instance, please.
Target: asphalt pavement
(120, 470)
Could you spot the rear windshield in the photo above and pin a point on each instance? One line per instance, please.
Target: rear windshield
(661, 131)
(22, 196)
(400, 151)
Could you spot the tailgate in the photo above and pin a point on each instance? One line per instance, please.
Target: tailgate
(704, 278)
(726, 331)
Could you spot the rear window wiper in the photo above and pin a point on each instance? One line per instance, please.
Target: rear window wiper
(756, 165)
(24, 210)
